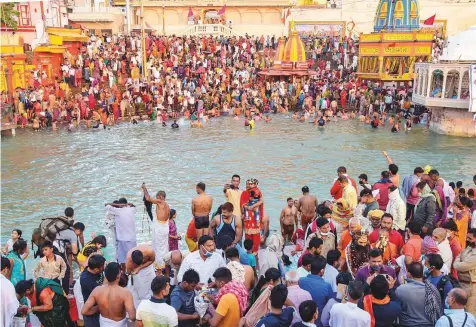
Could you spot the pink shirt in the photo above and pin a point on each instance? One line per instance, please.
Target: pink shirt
(297, 295)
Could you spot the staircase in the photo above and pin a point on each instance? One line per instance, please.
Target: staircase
(209, 29)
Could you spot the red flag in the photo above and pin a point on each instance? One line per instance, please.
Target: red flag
(222, 10)
(288, 13)
(190, 12)
(391, 45)
(429, 21)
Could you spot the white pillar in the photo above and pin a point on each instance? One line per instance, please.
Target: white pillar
(128, 16)
(430, 79)
(443, 87)
(461, 72)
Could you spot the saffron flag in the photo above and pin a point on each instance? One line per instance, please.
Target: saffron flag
(429, 21)
(190, 12)
(222, 10)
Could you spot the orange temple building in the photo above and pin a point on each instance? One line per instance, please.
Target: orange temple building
(391, 51)
(290, 57)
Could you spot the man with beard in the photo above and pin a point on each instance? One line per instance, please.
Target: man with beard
(356, 254)
(465, 265)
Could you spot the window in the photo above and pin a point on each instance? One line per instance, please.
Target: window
(24, 19)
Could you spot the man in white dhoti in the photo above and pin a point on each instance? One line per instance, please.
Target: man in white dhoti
(140, 268)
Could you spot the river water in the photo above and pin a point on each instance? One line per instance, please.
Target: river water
(44, 172)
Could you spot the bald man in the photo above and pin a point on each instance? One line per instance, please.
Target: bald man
(173, 260)
(346, 236)
(439, 236)
(455, 315)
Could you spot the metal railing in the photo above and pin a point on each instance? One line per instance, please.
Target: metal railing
(209, 29)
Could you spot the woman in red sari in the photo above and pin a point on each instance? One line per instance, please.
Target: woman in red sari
(343, 98)
(251, 226)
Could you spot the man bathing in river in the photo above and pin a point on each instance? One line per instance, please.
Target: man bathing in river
(160, 225)
(111, 300)
(201, 207)
(288, 219)
(307, 206)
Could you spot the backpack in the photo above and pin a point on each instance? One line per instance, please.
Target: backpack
(47, 228)
(441, 284)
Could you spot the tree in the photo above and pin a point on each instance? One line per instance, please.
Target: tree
(8, 15)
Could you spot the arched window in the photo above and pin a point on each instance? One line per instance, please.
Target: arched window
(436, 86)
(452, 84)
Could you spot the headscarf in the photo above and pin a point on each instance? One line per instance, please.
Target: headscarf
(425, 193)
(343, 215)
(239, 290)
(432, 302)
(427, 169)
(376, 213)
(429, 246)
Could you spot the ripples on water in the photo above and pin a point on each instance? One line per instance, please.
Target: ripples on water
(42, 173)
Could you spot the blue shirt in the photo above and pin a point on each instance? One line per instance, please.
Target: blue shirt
(446, 289)
(320, 290)
(273, 320)
(252, 260)
(457, 316)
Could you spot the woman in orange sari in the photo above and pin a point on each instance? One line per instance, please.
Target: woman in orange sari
(462, 215)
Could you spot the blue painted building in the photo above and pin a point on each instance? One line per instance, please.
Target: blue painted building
(397, 15)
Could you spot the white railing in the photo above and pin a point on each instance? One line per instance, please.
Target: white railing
(209, 29)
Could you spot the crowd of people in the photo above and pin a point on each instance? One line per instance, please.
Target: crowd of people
(200, 78)
(399, 251)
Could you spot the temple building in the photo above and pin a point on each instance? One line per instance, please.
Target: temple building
(290, 57)
(391, 51)
(447, 87)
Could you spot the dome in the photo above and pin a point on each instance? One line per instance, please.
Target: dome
(397, 15)
(294, 50)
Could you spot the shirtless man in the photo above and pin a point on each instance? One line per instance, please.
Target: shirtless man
(307, 206)
(288, 219)
(139, 267)
(138, 258)
(393, 170)
(111, 300)
(201, 207)
(162, 209)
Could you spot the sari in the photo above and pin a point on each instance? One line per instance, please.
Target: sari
(462, 217)
(59, 315)
(18, 270)
(441, 206)
(251, 227)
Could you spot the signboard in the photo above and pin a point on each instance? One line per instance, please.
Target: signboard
(398, 36)
(320, 29)
(423, 50)
(396, 50)
(330, 4)
(369, 51)
(370, 37)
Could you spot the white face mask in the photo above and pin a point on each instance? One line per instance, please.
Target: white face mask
(324, 234)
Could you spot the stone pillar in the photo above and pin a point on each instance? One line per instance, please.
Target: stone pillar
(443, 87)
(380, 65)
(411, 68)
(430, 78)
(460, 83)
